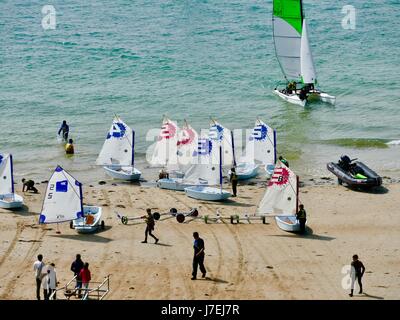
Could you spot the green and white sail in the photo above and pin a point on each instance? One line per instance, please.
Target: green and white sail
(291, 41)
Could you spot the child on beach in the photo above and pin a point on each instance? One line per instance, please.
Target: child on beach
(356, 273)
(150, 223)
(85, 276)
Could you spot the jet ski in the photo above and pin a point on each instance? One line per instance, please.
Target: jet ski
(354, 173)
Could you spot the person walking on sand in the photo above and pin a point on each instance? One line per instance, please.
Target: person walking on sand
(234, 180)
(69, 147)
(150, 223)
(198, 258)
(29, 185)
(356, 273)
(301, 215)
(85, 276)
(39, 268)
(64, 129)
(76, 267)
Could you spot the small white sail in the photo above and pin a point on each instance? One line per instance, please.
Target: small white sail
(118, 146)
(6, 174)
(281, 194)
(306, 59)
(165, 150)
(222, 136)
(204, 169)
(186, 146)
(63, 199)
(261, 145)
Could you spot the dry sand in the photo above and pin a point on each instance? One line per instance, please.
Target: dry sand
(245, 261)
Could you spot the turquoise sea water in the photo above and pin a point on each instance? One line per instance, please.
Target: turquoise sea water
(193, 59)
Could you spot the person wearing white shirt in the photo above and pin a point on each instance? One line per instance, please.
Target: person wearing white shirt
(50, 281)
(39, 267)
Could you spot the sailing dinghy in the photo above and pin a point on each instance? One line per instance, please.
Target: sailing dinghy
(207, 172)
(117, 155)
(63, 202)
(292, 49)
(260, 149)
(281, 198)
(186, 147)
(8, 198)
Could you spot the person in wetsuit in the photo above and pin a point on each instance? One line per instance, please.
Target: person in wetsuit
(29, 185)
(150, 223)
(64, 129)
(234, 180)
(357, 272)
(301, 215)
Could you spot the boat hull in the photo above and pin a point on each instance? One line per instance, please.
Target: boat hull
(245, 171)
(322, 96)
(11, 201)
(83, 225)
(176, 184)
(207, 193)
(288, 223)
(128, 173)
(372, 180)
(292, 98)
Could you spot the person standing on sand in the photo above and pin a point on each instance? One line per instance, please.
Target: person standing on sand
(301, 215)
(357, 272)
(150, 223)
(85, 276)
(198, 258)
(51, 280)
(64, 129)
(234, 180)
(39, 267)
(29, 185)
(76, 267)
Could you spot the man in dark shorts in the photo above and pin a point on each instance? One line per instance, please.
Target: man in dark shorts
(29, 185)
(301, 215)
(150, 223)
(358, 268)
(198, 258)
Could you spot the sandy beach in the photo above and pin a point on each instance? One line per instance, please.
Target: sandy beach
(244, 261)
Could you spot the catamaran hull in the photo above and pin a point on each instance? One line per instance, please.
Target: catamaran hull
(207, 193)
(288, 223)
(81, 225)
(11, 201)
(322, 96)
(245, 171)
(292, 98)
(123, 173)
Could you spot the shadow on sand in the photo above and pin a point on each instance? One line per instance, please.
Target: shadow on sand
(366, 295)
(216, 280)
(164, 244)
(308, 235)
(374, 190)
(83, 237)
(23, 211)
(233, 203)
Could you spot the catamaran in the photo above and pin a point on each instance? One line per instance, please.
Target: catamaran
(8, 198)
(207, 171)
(186, 147)
(118, 152)
(292, 49)
(260, 149)
(63, 202)
(282, 198)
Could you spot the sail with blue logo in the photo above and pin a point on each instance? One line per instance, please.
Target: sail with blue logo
(118, 148)
(222, 137)
(6, 175)
(63, 199)
(204, 170)
(260, 145)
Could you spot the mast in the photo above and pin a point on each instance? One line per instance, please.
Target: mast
(12, 175)
(297, 193)
(133, 147)
(233, 149)
(220, 166)
(274, 146)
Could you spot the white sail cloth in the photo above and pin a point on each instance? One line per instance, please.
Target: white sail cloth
(281, 194)
(6, 174)
(308, 72)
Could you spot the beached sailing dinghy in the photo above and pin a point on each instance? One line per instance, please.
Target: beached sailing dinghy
(281, 198)
(208, 170)
(63, 202)
(292, 49)
(117, 155)
(8, 198)
(186, 147)
(260, 150)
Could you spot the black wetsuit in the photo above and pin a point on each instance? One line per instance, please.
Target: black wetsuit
(198, 259)
(302, 217)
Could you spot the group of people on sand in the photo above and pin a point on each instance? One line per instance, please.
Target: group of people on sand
(46, 277)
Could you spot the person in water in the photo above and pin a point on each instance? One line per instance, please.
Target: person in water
(301, 215)
(69, 147)
(356, 273)
(64, 129)
(198, 258)
(284, 161)
(29, 185)
(150, 223)
(234, 180)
